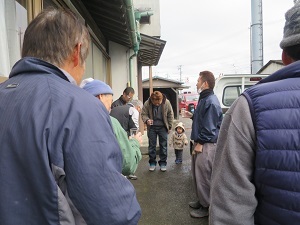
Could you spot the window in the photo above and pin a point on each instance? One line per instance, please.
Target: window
(49, 3)
(96, 64)
(231, 93)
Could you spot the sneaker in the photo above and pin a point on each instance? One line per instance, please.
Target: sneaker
(132, 177)
(163, 168)
(176, 161)
(195, 205)
(152, 167)
(199, 213)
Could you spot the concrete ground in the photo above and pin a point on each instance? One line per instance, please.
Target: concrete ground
(164, 196)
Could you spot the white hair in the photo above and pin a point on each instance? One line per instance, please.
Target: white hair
(136, 103)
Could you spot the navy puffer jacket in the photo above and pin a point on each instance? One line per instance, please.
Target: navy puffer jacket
(275, 108)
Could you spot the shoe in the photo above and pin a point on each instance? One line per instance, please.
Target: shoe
(199, 213)
(195, 205)
(132, 177)
(176, 161)
(163, 168)
(152, 167)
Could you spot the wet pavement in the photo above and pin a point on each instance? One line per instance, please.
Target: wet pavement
(164, 196)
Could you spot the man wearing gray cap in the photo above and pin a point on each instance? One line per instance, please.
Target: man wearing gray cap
(256, 175)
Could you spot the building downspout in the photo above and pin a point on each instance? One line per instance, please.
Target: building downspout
(133, 28)
(135, 36)
(130, 69)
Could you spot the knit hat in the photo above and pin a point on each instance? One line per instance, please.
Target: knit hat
(291, 32)
(180, 124)
(95, 87)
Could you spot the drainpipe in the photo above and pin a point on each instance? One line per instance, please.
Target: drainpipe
(133, 27)
(130, 69)
(135, 36)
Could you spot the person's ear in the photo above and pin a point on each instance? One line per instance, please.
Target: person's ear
(206, 84)
(76, 54)
(286, 59)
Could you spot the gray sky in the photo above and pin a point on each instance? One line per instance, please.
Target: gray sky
(214, 35)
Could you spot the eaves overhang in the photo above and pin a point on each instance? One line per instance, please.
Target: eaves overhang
(112, 19)
(150, 51)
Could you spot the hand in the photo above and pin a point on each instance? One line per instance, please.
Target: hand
(198, 148)
(149, 122)
(188, 114)
(138, 137)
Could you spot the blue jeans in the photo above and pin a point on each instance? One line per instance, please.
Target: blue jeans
(162, 134)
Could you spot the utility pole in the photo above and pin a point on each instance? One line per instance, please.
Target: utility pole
(256, 32)
(180, 71)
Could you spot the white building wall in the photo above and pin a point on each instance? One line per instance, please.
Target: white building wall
(152, 29)
(272, 68)
(120, 69)
(13, 19)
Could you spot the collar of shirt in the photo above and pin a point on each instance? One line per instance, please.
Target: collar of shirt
(70, 78)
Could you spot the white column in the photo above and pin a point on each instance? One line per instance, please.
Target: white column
(12, 29)
(4, 55)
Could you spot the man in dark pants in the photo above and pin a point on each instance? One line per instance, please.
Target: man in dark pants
(158, 114)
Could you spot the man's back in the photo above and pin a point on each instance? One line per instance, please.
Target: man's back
(121, 113)
(54, 156)
(277, 140)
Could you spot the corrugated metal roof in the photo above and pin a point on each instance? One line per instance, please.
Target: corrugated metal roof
(150, 51)
(112, 19)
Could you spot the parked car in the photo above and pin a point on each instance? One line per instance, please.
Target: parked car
(188, 101)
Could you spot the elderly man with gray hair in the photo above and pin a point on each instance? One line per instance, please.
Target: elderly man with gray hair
(57, 167)
(135, 110)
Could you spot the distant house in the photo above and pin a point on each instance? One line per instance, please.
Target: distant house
(168, 87)
(271, 67)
